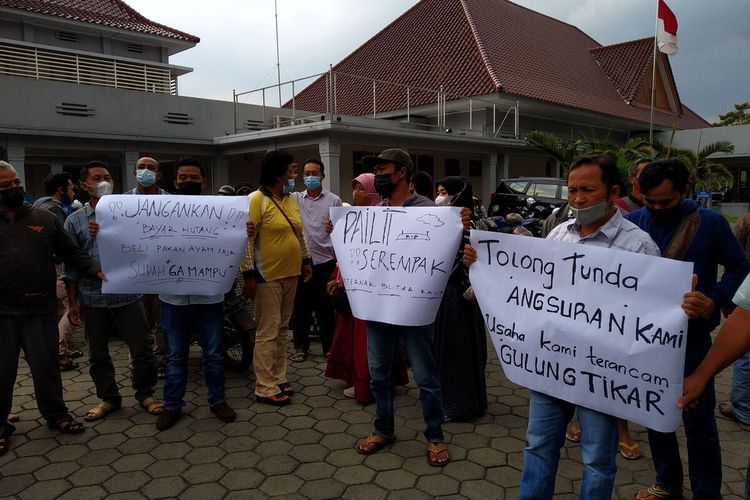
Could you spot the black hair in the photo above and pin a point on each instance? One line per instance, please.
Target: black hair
(317, 162)
(273, 166)
(658, 171)
(422, 182)
(92, 164)
(189, 162)
(460, 191)
(55, 181)
(607, 165)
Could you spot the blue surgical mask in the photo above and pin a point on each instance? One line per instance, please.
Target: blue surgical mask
(290, 186)
(312, 182)
(145, 177)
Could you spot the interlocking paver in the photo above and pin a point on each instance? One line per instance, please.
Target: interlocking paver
(304, 450)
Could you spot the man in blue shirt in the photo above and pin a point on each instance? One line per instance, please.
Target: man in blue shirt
(683, 231)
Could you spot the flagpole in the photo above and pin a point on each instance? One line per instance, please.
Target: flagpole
(653, 76)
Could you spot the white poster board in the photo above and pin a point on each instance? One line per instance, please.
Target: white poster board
(172, 244)
(396, 261)
(599, 327)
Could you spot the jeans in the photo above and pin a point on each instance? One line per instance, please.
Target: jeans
(312, 296)
(37, 336)
(545, 436)
(129, 321)
(383, 345)
(178, 324)
(704, 452)
(740, 396)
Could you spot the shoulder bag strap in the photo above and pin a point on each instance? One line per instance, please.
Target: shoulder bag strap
(683, 236)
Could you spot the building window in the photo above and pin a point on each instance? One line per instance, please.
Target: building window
(135, 48)
(475, 168)
(67, 36)
(452, 167)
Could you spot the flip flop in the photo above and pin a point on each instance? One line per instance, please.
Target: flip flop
(67, 426)
(656, 492)
(372, 444)
(286, 388)
(437, 454)
(100, 411)
(573, 434)
(630, 451)
(153, 406)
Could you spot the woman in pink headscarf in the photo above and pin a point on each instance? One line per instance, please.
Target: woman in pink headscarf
(348, 358)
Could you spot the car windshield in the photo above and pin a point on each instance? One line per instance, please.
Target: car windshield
(517, 186)
(543, 190)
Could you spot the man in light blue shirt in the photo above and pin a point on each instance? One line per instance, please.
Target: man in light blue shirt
(314, 205)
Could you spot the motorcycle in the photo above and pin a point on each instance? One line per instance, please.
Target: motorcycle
(238, 333)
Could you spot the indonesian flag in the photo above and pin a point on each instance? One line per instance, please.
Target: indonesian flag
(666, 31)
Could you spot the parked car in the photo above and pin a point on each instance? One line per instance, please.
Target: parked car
(512, 195)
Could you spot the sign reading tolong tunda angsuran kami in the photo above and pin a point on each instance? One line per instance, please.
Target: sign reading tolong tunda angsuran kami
(599, 327)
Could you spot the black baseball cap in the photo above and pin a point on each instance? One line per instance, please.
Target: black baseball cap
(391, 155)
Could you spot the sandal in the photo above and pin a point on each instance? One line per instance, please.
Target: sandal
(279, 399)
(153, 406)
(372, 444)
(437, 454)
(656, 492)
(12, 418)
(630, 451)
(573, 434)
(68, 365)
(100, 411)
(286, 388)
(299, 356)
(68, 426)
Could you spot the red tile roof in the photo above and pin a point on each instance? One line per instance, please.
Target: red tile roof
(480, 47)
(114, 13)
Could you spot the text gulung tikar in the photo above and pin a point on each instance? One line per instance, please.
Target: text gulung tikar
(599, 327)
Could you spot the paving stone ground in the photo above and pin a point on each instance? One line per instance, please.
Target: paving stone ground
(300, 451)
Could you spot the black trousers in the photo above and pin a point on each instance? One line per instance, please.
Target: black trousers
(129, 321)
(37, 336)
(312, 296)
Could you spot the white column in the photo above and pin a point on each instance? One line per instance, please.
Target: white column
(330, 155)
(128, 165)
(17, 158)
(220, 173)
(489, 181)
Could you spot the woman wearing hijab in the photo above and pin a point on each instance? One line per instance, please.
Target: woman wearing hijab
(348, 359)
(460, 339)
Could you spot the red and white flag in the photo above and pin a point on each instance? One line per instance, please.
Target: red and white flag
(666, 29)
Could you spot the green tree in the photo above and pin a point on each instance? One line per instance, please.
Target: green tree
(565, 152)
(740, 116)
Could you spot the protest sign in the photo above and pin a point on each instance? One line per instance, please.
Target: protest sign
(396, 261)
(599, 327)
(180, 245)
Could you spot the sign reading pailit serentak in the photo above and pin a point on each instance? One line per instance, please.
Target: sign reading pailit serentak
(599, 327)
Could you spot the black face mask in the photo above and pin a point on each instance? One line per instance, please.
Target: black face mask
(384, 185)
(189, 187)
(12, 198)
(665, 215)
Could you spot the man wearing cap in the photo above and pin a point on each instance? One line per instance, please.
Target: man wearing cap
(393, 169)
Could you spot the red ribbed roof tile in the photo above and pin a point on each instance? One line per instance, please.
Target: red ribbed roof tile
(114, 13)
(479, 47)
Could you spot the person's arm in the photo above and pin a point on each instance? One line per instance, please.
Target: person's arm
(247, 264)
(732, 341)
(67, 248)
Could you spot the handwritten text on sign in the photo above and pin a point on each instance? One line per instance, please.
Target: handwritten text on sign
(395, 261)
(599, 327)
(181, 245)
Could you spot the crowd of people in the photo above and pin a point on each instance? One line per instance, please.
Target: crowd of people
(51, 261)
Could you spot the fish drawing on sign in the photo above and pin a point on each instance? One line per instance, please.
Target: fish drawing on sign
(413, 236)
(431, 220)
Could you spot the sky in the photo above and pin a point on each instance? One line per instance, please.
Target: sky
(238, 43)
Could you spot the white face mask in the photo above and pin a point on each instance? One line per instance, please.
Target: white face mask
(102, 189)
(589, 215)
(443, 200)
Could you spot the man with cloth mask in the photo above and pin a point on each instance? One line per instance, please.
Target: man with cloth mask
(147, 173)
(592, 191)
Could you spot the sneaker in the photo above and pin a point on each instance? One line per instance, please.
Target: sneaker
(223, 412)
(167, 419)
